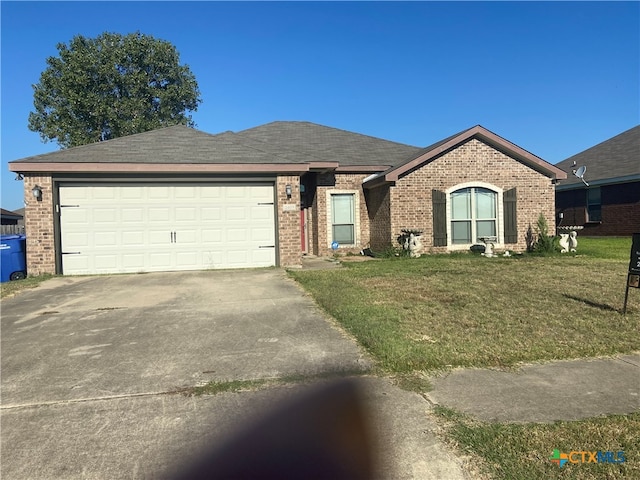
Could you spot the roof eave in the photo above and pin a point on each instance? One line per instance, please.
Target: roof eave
(598, 183)
(82, 167)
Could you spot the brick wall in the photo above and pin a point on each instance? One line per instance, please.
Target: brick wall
(620, 209)
(379, 217)
(290, 249)
(321, 216)
(39, 226)
(473, 161)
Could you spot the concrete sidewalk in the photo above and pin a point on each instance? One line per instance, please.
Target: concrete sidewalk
(154, 436)
(564, 390)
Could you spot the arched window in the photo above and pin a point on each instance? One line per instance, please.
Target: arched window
(474, 214)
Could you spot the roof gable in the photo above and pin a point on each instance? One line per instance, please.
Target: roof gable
(434, 151)
(616, 158)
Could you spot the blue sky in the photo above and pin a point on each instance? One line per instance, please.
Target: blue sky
(555, 78)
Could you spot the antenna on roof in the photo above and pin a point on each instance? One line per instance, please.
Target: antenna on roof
(580, 174)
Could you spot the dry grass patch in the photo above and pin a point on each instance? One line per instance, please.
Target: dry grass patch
(461, 310)
(522, 451)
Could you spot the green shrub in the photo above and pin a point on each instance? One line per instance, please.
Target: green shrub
(544, 243)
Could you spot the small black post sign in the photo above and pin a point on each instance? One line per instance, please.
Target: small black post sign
(633, 278)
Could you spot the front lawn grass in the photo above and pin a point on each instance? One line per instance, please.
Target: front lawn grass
(463, 310)
(417, 316)
(523, 451)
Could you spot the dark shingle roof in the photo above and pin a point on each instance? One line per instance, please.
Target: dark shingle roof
(273, 143)
(615, 158)
(177, 144)
(328, 144)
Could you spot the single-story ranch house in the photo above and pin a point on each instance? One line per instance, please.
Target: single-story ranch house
(610, 204)
(180, 199)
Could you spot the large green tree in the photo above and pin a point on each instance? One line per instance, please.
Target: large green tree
(110, 86)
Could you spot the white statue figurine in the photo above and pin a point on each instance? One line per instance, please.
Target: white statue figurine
(415, 245)
(564, 242)
(573, 241)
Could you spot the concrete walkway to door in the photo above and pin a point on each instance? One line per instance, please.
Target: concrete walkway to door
(90, 367)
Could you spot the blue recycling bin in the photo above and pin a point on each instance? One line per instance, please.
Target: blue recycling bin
(13, 257)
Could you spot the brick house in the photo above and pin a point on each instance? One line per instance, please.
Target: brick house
(180, 199)
(610, 204)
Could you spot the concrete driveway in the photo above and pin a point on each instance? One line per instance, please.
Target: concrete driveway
(89, 365)
(95, 337)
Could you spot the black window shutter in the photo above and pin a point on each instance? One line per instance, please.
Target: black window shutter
(439, 200)
(510, 216)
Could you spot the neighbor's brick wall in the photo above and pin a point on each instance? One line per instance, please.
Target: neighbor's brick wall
(38, 215)
(473, 161)
(290, 250)
(620, 209)
(338, 181)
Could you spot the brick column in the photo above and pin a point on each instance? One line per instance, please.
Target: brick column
(39, 226)
(288, 210)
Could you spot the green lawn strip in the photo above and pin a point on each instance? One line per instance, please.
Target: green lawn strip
(16, 286)
(522, 451)
(441, 311)
(616, 248)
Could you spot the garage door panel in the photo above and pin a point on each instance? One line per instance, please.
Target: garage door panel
(76, 215)
(186, 237)
(78, 264)
(69, 195)
(263, 256)
(105, 239)
(106, 262)
(186, 214)
(262, 235)
(73, 241)
(187, 260)
(132, 193)
(137, 228)
(237, 213)
(133, 261)
(158, 192)
(211, 213)
(159, 214)
(159, 238)
(132, 215)
(213, 236)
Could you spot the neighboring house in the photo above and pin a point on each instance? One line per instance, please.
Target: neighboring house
(20, 212)
(180, 199)
(11, 222)
(9, 218)
(610, 205)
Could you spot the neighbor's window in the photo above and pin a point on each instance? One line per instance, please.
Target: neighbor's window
(343, 218)
(473, 214)
(594, 206)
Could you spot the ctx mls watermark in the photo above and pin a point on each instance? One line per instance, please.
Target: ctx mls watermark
(583, 456)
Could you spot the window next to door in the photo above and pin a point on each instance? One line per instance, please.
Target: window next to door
(343, 217)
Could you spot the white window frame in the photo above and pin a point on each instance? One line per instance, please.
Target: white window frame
(356, 217)
(499, 214)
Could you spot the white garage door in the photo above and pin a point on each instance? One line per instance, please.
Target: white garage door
(162, 227)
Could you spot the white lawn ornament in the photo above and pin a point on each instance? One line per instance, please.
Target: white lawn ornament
(573, 241)
(564, 242)
(414, 244)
